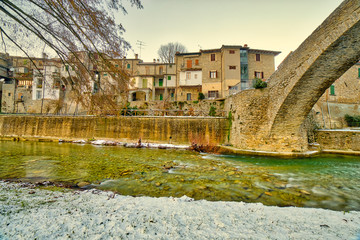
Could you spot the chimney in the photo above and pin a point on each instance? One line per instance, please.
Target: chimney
(154, 60)
(245, 45)
(136, 56)
(158, 60)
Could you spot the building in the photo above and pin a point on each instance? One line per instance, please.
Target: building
(214, 72)
(343, 97)
(152, 81)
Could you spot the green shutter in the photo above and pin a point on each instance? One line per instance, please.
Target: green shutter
(169, 77)
(359, 72)
(128, 66)
(160, 82)
(332, 90)
(161, 97)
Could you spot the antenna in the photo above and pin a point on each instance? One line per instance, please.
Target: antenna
(141, 44)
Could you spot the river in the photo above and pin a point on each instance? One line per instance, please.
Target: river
(324, 181)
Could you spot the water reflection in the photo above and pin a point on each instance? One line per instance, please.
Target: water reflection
(327, 181)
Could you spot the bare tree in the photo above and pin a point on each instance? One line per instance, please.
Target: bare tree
(167, 52)
(71, 26)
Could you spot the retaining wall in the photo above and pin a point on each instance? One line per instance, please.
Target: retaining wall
(178, 130)
(342, 139)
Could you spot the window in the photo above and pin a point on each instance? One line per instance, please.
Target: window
(144, 83)
(213, 74)
(161, 97)
(160, 70)
(358, 72)
(244, 69)
(258, 57)
(259, 75)
(169, 77)
(9, 94)
(56, 83)
(105, 74)
(213, 94)
(38, 94)
(232, 67)
(188, 75)
(213, 57)
(147, 70)
(39, 83)
(332, 90)
(231, 51)
(128, 66)
(195, 76)
(197, 62)
(161, 81)
(172, 95)
(116, 65)
(188, 96)
(189, 63)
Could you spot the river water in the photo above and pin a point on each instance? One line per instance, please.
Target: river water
(325, 181)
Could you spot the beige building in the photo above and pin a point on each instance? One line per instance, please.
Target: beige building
(343, 97)
(213, 72)
(152, 81)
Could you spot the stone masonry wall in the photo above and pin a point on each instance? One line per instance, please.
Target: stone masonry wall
(348, 140)
(178, 130)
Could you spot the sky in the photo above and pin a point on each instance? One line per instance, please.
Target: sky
(279, 25)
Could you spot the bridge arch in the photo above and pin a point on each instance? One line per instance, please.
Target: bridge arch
(297, 85)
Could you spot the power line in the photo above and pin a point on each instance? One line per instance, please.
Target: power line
(141, 44)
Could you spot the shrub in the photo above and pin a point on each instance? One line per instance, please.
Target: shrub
(201, 96)
(212, 111)
(352, 121)
(258, 83)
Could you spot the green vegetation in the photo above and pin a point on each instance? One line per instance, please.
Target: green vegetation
(258, 83)
(212, 111)
(195, 102)
(352, 121)
(130, 111)
(230, 125)
(201, 96)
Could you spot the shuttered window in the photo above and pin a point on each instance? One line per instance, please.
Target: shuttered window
(189, 63)
(332, 90)
(213, 74)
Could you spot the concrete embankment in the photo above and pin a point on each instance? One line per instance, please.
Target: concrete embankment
(177, 130)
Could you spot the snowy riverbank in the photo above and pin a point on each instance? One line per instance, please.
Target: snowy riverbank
(27, 213)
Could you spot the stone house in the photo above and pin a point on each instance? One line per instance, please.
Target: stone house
(152, 81)
(343, 97)
(215, 71)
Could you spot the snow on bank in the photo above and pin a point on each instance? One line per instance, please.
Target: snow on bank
(33, 213)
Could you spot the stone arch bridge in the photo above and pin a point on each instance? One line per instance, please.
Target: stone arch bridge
(272, 119)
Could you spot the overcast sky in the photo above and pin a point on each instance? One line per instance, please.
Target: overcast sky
(279, 25)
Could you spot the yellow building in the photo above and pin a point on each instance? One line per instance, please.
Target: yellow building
(213, 72)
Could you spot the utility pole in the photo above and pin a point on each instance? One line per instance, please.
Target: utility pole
(141, 44)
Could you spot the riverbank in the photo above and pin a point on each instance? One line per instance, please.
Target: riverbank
(29, 213)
